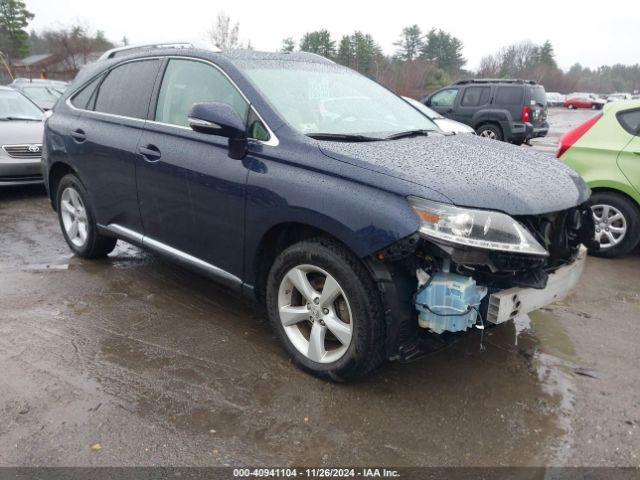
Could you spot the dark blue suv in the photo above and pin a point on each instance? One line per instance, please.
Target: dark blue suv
(368, 233)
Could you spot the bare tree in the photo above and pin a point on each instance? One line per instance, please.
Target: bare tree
(74, 45)
(223, 34)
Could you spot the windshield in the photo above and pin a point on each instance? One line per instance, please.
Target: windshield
(42, 94)
(328, 99)
(14, 106)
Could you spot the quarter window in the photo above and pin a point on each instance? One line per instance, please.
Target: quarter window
(509, 96)
(630, 120)
(187, 82)
(83, 99)
(127, 89)
(445, 98)
(475, 96)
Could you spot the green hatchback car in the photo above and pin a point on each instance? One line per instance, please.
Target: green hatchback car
(605, 151)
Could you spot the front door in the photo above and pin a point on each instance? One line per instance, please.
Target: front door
(191, 193)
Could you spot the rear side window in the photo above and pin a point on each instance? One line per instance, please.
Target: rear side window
(475, 96)
(509, 96)
(127, 89)
(84, 98)
(445, 98)
(187, 82)
(630, 120)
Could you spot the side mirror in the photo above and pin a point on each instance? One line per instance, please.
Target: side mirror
(427, 101)
(216, 119)
(220, 119)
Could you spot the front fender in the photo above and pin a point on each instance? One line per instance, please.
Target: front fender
(364, 218)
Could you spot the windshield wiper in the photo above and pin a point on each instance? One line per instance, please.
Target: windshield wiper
(409, 133)
(343, 137)
(21, 118)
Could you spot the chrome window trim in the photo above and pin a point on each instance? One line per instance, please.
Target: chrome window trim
(178, 255)
(273, 139)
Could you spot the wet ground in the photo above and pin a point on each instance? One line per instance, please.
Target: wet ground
(150, 364)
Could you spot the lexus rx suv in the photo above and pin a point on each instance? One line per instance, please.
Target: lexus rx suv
(514, 111)
(366, 232)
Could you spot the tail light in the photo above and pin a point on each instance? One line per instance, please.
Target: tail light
(526, 113)
(572, 136)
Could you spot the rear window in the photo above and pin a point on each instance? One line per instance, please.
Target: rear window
(127, 89)
(538, 95)
(630, 120)
(509, 96)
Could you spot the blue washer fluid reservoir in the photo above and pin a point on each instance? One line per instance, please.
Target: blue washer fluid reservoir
(450, 297)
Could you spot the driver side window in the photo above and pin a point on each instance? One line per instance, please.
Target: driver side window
(445, 98)
(187, 82)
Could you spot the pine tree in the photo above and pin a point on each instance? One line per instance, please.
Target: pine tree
(14, 18)
(444, 49)
(319, 42)
(410, 44)
(288, 45)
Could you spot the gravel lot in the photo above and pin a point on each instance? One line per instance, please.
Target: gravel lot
(160, 366)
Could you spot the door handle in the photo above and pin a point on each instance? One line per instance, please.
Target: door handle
(150, 153)
(78, 135)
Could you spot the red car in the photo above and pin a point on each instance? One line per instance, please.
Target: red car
(583, 102)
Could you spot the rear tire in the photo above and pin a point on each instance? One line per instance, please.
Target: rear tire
(492, 132)
(620, 213)
(302, 310)
(77, 220)
(571, 106)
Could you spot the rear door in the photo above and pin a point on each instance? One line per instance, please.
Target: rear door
(473, 98)
(629, 158)
(106, 136)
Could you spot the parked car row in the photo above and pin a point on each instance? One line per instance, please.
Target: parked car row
(43, 93)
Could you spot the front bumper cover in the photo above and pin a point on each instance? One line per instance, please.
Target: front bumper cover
(508, 304)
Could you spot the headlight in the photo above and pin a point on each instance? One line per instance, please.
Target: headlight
(474, 228)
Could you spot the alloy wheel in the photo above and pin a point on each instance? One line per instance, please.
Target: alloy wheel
(74, 217)
(315, 313)
(488, 134)
(611, 226)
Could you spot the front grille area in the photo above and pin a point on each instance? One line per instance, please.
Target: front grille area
(33, 150)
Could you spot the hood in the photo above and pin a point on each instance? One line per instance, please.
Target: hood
(472, 171)
(14, 132)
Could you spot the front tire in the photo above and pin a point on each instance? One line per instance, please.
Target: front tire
(571, 106)
(77, 220)
(617, 222)
(325, 309)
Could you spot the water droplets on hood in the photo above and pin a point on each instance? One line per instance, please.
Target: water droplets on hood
(471, 171)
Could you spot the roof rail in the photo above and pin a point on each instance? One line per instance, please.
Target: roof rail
(495, 80)
(120, 51)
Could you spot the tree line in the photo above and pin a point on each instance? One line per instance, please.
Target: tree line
(423, 60)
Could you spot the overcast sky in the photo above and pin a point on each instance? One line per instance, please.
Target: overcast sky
(589, 32)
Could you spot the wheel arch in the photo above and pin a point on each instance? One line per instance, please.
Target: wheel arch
(617, 191)
(56, 172)
(275, 240)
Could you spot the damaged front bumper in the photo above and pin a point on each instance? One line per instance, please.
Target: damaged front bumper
(508, 304)
(434, 291)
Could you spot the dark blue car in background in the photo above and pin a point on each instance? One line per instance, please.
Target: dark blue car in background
(368, 233)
